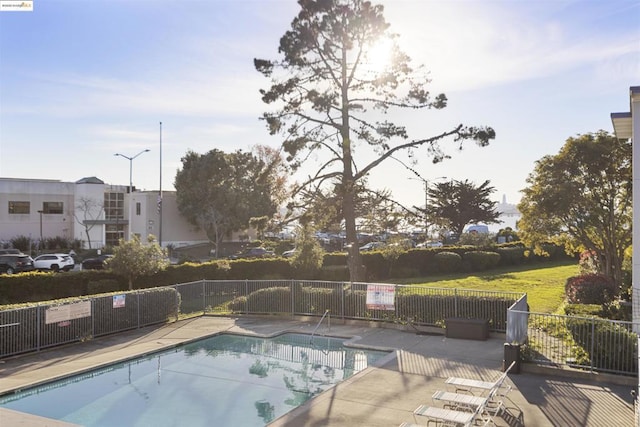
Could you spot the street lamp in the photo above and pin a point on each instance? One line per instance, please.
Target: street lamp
(131, 181)
(426, 201)
(40, 243)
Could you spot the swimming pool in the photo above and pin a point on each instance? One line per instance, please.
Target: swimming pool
(222, 380)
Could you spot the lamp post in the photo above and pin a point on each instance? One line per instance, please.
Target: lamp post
(40, 243)
(131, 181)
(426, 201)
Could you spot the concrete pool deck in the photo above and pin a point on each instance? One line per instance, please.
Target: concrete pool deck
(385, 395)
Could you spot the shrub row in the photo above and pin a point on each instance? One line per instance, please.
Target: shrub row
(350, 303)
(607, 346)
(30, 329)
(33, 287)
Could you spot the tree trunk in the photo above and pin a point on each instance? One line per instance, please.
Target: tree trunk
(86, 230)
(356, 272)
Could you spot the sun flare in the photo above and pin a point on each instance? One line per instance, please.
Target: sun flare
(379, 56)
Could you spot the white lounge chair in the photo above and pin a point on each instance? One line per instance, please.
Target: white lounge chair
(454, 418)
(470, 385)
(469, 402)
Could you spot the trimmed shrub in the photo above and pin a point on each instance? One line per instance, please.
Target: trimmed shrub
(611, 347)
(511, 255)
(480, 260)
(377, 266)
(334, 258)
(590, 289)
(335, 273)
(448, 262)
(583, 310)
(421, 309)
(421, 259)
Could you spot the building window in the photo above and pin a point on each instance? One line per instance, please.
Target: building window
(113, 234)
(52, 207)
(113, 206)
(138, 208)
(19, 207)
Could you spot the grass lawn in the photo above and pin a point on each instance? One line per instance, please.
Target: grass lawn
(543, 282)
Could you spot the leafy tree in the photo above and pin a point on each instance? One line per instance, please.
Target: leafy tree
(308, 256)
(458, 203)
(220, 192)
(132, 259)
(581, 197)
(374, 210)
(329, 97)
(277, 173)
(259, 224)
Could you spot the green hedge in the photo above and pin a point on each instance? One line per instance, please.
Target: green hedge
(448, 262)
(34, 287)
(156, 306)
(610, 347)
(480, 260)
(421, 309)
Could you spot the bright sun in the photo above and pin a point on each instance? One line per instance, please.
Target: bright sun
(379, 56)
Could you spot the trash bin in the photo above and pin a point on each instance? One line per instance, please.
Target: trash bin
(511, 354)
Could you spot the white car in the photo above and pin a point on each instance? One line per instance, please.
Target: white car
(289, 254)
(371, 246)
(54, 262)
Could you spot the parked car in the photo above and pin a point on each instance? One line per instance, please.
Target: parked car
(253, 253)
(371, 246)
(15, 263)
(96, 263)
(54, 262)
(10, 251)
(289, 254)
(430, 244)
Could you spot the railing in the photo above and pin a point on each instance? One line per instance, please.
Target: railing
(49, 324)
(417, 304)
(596, 345)
(328, 316)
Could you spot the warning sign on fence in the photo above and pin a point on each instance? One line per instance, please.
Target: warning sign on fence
(62, 313)
(381, 297)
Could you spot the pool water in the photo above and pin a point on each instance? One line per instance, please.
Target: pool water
(223, 380)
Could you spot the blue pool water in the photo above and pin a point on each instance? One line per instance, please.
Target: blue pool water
(226, 380)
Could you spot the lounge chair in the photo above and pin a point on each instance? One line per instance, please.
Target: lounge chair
(469, 402)
(470, 385)
(452, 417)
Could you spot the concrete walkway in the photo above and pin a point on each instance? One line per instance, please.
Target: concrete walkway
(384, 395)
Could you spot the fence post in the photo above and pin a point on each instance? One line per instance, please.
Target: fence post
(246, 294)
(138, 304)
(38, 330)
(455, 302)
(291, 287)
(342, 300)
(93, 318)
(593, 340)
(204, 297)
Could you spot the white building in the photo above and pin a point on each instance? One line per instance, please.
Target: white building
(625, 126)
(90, 210)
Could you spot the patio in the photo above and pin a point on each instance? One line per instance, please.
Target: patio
(384, 395)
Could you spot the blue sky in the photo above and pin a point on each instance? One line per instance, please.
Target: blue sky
(83, 80)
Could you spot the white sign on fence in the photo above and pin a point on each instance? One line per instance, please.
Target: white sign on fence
(381, 297)
(119, 301)
(62, 313)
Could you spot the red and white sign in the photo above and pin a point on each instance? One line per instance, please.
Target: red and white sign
(381, 297)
